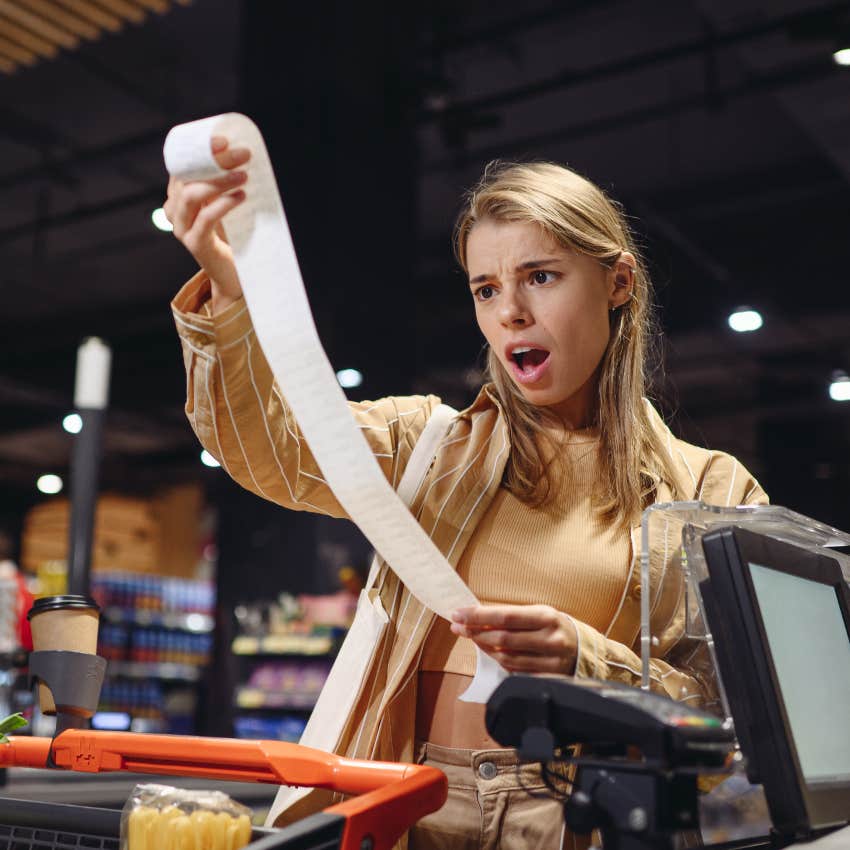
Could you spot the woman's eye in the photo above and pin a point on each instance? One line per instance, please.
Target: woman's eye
(484, 293)
(542, 277)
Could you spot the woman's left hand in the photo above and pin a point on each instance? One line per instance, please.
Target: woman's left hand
(522, 638)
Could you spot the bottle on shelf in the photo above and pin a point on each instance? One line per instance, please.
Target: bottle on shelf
(155, 634)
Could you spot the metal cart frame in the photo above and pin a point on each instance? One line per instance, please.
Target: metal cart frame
(389, 797)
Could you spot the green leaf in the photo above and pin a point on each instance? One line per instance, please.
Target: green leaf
(12, 722)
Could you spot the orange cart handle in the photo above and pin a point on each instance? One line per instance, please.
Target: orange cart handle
(394, 796)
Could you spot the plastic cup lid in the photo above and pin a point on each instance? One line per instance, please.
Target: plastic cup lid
(59, 603)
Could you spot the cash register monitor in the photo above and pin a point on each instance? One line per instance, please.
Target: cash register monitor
(780, 619)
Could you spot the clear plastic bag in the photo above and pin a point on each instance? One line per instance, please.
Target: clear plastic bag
(159, 817)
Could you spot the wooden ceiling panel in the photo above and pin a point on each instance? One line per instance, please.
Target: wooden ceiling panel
(133, 12)
(16, 52)
(26, 39)
(15, 11)
(48, 11)
(158, 6)
(33, 29)
(93, 13)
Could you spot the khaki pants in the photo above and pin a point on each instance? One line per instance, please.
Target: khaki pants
(494, 802)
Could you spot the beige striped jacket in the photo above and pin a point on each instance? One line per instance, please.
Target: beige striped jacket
(237, 411)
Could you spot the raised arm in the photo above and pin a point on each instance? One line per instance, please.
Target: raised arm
(241, 418)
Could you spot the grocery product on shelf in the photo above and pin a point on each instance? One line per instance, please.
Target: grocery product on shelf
(143, 592)
(282, 727)
(288, 683)
(285, 651)
(156, 635)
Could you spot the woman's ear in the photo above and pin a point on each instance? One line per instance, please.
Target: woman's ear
(621, 280)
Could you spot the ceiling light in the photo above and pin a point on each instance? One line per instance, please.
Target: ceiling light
(842, 57)
(73, 423)
(160, 220)
(49, 484)
(745, 319)
(208, 460)
(349, 378)
(839, 389)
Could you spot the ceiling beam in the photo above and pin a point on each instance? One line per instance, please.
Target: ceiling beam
(767, 83)
(570, 76)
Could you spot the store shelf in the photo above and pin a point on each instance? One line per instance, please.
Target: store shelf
(255, 698)
(154, 670)
(313, 645)
(194, 622)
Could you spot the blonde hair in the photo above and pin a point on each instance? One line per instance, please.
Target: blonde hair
(577, 214)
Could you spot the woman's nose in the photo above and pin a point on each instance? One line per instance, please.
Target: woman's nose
(514, 310)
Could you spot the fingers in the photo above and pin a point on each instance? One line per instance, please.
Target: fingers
(529, 663)
(506, 617)
(530, 652)
(186, 200)
(208, 219)
(508, 641)
(226, 156)
(527, 638)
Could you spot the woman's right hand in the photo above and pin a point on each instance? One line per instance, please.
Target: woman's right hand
(196, 208)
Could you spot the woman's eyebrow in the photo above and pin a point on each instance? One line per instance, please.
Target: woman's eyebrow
(523, 267)
(536, 264)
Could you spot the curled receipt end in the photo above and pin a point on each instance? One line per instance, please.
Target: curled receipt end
(186, 156)
(489, 674)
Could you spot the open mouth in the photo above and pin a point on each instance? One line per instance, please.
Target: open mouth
(528, 358)
(529, 363)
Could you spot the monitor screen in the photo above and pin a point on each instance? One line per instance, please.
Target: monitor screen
(779, 616)
(807, 639)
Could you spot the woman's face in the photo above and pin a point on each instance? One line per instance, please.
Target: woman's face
(544, 311)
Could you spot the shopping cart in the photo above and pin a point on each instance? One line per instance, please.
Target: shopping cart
(389, 797)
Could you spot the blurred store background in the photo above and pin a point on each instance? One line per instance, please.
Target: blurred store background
(722, 126)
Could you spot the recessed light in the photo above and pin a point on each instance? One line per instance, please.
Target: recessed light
(160, 220)
(349, 378)
(745, 320)
(839, 389)
(842, 57)
(49, 484)
(208, 460)
(73, 423)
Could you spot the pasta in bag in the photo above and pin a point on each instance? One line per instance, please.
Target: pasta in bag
(159, 817)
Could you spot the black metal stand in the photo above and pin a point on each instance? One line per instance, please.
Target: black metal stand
(633, 809)
(85, 469)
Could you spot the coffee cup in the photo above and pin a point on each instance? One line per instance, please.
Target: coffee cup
(68, 623)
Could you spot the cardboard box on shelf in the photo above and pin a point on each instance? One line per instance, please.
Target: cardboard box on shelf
(160, 534)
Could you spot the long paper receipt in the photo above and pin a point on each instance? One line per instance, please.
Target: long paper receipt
(277, 301)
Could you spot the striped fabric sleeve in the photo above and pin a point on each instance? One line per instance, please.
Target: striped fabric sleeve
(602, 658)
(240, 416)
(683, 670)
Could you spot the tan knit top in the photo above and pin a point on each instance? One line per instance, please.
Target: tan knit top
(567, 558)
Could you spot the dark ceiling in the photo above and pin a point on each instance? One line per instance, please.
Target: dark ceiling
(723, 127)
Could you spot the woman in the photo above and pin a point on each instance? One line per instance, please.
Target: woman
(535, 494)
